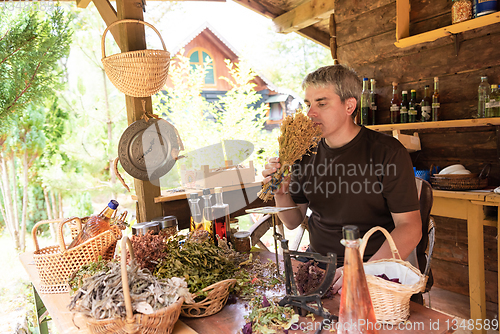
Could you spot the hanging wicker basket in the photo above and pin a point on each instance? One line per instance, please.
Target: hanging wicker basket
(138, 73)
(391, 300)
(161, 321)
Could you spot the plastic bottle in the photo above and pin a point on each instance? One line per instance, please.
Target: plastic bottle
(208, 214)
(365, 103)
(356, 314)
(221, 220)
(96, 225)
(483, 93)
(196, 218)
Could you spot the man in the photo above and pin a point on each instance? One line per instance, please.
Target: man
(355, 176)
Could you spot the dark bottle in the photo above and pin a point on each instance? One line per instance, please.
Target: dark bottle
(412, 107)
(395, 102)
(365, 103)
(435, 101)
(403, 111)
(426, 107)
(221, 227)
(356, 314)
(208, 214)
(196, 218)
(373, 102)
(95, 225)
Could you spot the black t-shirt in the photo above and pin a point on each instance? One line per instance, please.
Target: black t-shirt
(360, 184)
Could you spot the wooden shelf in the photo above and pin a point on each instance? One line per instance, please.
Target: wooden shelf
(403, 39)
(459, 123)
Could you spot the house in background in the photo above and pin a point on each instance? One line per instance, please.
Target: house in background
(206, 46)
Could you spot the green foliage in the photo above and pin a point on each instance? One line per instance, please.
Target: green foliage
(30, 49)
(80, 205)
(36, 207)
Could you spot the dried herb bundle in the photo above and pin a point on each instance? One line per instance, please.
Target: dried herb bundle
(87, 270)
(149, 249)
(256, 277)
(309, 276)
(101, 296)
(200, 263)
(268, 317)
(299, 135)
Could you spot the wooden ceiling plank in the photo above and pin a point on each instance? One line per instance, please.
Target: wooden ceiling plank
(82, 3)
(108, 14)
(317, 36)
(304, 15)
(259, 8)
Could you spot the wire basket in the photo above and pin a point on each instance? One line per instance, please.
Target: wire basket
(55, 264)
(215, 300)
(162, 321)
(391, 300)
(138, 73)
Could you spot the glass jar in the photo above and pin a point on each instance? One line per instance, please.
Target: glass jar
(242, 242)
(461, 11)
(168, 225)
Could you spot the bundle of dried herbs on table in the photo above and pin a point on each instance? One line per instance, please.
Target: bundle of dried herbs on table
(101, 296)
(149, 249)
(199, 263)
(256, 277)
(299, 135)
(76, 279)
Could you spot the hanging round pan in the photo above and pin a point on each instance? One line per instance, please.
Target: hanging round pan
(149, 149)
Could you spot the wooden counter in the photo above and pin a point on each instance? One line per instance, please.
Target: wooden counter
(231, 319)
(470, 205)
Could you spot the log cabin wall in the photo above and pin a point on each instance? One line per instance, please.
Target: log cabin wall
(365, 35)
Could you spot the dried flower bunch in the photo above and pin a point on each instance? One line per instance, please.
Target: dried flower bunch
(299, 135)
(149, 249)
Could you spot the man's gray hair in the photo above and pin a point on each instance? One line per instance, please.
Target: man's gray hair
(345, 81)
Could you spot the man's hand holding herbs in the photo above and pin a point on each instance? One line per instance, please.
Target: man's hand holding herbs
(272, 166)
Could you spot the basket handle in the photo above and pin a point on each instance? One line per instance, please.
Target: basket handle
(392, 244)
(41, 222)
(126, 290)
(103, 48)
(60, 236)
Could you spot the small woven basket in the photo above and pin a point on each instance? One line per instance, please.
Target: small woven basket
(215, 300)
(162, 321)
(138, 73)
(458, 181)
(55, 264)
(391, 300)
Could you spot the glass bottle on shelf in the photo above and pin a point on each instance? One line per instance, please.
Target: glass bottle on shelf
(403, 111)
(426, 107)
(436, 106)
(365, 103)
(373, 102)
(412, 107)
(356, 314)
(493, 102)
(483, 92)
(208, 214)
(221, 227)
(461, 10)
(395, 102)
(196, 218)
(484, 7)
(95, 225)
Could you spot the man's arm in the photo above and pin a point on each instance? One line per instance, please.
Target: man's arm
(406, 234)
(291, 218)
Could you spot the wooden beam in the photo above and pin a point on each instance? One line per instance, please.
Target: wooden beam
(82, 3)
(304, 15)
(108, 14)
(317, 36)
(267, 10)
(133, 38)
(402, 19)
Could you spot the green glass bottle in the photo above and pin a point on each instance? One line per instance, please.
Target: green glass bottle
(412, 107)
(403, 110)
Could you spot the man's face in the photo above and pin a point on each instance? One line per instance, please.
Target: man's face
(326, 109)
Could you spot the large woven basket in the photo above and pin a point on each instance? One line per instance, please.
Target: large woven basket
(138, 73)
(215, 300)
(56, 264)
(159, 322)
(391, 300)
(458, 181)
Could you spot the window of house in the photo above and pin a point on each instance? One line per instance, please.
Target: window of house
(275, 112)
(202, 57)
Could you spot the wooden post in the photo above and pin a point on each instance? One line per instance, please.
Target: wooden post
(133, 38)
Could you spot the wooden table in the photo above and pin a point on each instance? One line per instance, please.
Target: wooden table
(470, 205)
(231, 319)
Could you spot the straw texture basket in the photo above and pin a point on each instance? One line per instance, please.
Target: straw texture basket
(159, 322)
(138, 73)
(55, 264)
(215, 300)
(458, 181)
(391, 301)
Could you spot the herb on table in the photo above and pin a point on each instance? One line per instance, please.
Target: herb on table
(309, 276)
(268, 317)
